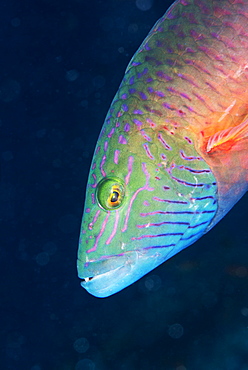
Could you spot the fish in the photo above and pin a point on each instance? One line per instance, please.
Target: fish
(172, 156)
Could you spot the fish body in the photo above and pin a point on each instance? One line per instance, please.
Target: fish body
(172, 156)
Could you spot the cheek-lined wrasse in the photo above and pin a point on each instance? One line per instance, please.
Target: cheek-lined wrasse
(172, 156)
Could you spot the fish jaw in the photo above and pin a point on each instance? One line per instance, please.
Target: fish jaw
(121, 270)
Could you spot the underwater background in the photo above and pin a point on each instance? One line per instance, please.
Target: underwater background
(61, 63)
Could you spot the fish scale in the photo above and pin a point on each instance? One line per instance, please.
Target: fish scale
(159, 178)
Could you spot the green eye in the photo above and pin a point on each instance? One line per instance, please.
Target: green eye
(110, 193)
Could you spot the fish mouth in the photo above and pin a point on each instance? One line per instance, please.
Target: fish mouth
(87, 279)
(103, 285)
(105, 277)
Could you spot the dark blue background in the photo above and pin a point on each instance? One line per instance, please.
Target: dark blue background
(61, 63)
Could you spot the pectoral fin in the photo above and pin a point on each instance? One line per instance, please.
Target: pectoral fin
(226, 138)
(223, 143)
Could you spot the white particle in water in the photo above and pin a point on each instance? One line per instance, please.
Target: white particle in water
(244, 311)
(152, 283)
(81, 345)
(7, 156)
(85, 364)
(175, 331)
(35, 367)
(9, 90)
(50, 248)
(15, 22)
(72, 75)
(68, 223)
(42, 258)
(98, 81)
(144, 4)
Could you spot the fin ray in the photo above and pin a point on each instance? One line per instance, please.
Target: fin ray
(233, 134)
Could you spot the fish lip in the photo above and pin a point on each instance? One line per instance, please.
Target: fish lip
(94, 286)
(87, 280)
(87, 270)
(106, 277)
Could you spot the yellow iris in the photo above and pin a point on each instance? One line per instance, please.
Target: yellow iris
(110, 193)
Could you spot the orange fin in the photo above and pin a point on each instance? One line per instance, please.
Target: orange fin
(223, 143)
(228, 136)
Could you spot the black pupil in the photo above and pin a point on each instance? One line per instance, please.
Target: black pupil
(114, 197)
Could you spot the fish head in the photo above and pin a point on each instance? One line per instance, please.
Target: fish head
(135, 217)
(113, 252)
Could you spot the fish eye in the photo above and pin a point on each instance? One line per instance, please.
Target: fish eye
(110, 192)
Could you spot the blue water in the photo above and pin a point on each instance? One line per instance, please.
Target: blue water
(61, 63)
